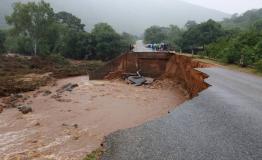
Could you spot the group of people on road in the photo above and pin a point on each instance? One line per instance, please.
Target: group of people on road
(158, 46)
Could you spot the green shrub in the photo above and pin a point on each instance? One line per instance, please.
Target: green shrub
(95, 155)
(258, 65)
(58, 59)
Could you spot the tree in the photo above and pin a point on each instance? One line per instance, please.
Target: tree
(156, 34)
(210, 32)
(31, 20)
(257, 26)
(202, 34)
(127, 40)
(70, 21)
(76, 45)
(73, 41)
(2, 41)
(243, 21)
(239, 45)
(107, 41)
(190, 24)
(174, 36)
(171, 35)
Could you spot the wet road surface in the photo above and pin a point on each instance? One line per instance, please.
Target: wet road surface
(140, 47)
(223, 123)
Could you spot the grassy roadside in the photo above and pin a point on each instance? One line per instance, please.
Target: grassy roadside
(233, 67)
(95, 155)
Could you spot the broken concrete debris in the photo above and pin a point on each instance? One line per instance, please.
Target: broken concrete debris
(132, 78)
(136, 80)
(59, 98)
(149, 80)
(17, 96)
(68, 87)
(14, 100)
(25, 109)
(139, 80)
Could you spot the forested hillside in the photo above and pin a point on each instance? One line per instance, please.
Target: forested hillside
(243, 21)
(38, 30)
(235, 41)
(132, 16)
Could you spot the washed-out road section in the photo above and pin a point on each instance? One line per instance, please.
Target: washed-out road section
(70, 125)
(140, 47)
(223, 123)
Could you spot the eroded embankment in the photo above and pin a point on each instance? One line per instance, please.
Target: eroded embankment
(72, 124)
(183, 69)
(179, 68)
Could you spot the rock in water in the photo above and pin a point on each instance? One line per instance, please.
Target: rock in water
(1, 108)
(25, 109)
(68, 87)
(17, 96)
(47, 93)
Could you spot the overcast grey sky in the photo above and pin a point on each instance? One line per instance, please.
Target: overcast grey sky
(229, 6)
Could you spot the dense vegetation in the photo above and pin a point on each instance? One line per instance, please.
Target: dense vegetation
(240, 43)
(157, 34)
(2, 41)
(243, 21)
(38, 30)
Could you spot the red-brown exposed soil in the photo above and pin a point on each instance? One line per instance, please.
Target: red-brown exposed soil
(22, 74)
(182, 69)
(69, 125)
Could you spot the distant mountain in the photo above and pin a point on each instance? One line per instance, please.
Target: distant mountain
(131, 15)
(243, 21)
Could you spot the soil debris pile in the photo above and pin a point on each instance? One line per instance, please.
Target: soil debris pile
(14, 100)
(115, 75)
(24, 83)
(22, 74)
(1, 108)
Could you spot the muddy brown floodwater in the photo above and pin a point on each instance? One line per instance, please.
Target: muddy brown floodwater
(73, 127)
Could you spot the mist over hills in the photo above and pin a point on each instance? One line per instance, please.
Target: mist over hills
(132, 16)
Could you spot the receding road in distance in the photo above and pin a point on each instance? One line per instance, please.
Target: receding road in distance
(223, 123)
(140, 47)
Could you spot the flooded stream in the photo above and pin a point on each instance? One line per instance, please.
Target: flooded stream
(76, 124)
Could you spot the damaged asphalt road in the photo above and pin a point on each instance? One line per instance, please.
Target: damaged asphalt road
(223, 123)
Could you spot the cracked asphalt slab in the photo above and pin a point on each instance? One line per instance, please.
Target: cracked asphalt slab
(223, 123)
